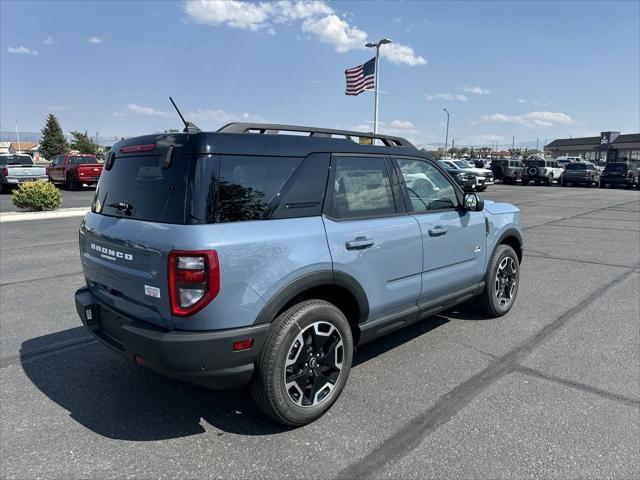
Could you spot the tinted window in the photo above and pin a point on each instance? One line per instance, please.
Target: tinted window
(16, 160)
(616, 167)
(140, 188)
(576, 166)
(248, 185)
(80, 160)
(361, 188)
(428, 188)
(535, 163)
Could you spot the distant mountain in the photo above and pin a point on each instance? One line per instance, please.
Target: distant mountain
(7, 136)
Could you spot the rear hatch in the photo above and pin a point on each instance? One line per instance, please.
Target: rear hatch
(126, 239)
(86, 166)
(576, 170)
(616, 170)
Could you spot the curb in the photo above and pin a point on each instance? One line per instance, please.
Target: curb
(26, 216)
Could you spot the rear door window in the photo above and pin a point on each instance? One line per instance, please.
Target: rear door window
(81, 160)
(361, 188)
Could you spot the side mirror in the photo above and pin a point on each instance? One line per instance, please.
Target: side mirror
(473, 202)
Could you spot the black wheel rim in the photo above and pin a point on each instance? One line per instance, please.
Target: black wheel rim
(506, 281)
(313, 364)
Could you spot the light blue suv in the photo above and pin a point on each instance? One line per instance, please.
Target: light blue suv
(262, 255)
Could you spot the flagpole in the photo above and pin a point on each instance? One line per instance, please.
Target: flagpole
(375, 108)
(377, 77)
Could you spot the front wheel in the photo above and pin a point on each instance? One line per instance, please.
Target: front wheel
(304, 363)
(502, 279)
(69, 184)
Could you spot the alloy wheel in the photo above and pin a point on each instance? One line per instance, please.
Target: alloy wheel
(313, 364)
(505, 282)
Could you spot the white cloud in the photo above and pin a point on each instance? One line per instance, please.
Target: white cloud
(315, 17)
(446, 96)
(118, 114)
(522, 100)
(48, 41)
(397, 20)
(95, 40)
(476, 90)
(220, 117)
(22, 50)
(401, 124)
(401, 54)
(531, 119)
(144, 110)
(335, 31)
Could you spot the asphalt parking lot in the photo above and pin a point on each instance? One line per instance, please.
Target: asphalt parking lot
(70, 199)
(551, 390)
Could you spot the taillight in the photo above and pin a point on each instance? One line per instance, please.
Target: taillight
(5, 172)
(194, 280)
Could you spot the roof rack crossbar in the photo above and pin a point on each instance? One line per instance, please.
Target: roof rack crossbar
(266, 128)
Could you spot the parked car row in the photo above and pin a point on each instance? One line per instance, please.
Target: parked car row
(71, 170)
(468, 176)
(565, 171)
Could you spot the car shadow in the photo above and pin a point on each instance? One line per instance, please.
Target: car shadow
(118, 399)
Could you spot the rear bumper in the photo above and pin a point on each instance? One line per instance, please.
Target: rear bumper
(204, 358)
(19, 180)
(617, 180)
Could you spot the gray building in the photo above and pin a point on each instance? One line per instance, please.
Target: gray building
(608, 147)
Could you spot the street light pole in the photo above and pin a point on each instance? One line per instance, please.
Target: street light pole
(377, 46)
(446, 137)
(18, 137)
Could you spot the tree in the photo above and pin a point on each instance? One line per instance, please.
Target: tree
(83, 143)
(53, 142)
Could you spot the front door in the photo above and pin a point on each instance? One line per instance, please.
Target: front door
(370, 235)
(453, 239)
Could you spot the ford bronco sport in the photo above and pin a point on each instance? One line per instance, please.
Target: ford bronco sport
(262, 255)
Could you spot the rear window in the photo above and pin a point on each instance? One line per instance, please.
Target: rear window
(138, 187)
(576, 166)
(535, 163)
(80, 160)
(616, 167)
(16, 160)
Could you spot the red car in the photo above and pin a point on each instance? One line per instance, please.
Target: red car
(74, 169)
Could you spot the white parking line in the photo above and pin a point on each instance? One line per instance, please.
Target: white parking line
(25, 216)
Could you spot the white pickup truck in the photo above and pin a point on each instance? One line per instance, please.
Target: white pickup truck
(18, 168)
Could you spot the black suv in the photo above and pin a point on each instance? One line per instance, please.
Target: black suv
(619, 173)
(509, 171)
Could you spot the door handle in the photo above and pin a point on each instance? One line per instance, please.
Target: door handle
(359, 243)
(437, 231)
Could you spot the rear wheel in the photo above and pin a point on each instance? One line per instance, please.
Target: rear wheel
(502, 280)
(525, 182)
(304, 363)
(602, 184)
(69, 184)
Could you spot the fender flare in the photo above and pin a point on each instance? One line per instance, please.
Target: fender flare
(509, 232)
(311, 280)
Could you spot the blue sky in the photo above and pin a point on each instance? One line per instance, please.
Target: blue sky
(530, 69)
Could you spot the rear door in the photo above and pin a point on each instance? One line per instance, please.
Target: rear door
(125, 240)
(370, 236)
(453, 239)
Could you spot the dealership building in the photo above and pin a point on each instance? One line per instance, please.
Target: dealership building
(608, 147)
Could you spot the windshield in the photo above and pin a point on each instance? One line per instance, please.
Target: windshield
(463, 164)
(577, 166)
(616, 167)
(535, 163)
(16, 160)
(82, 160)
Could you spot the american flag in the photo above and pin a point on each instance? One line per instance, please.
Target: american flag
(361, 78)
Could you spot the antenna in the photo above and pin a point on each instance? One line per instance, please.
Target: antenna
(188, 126)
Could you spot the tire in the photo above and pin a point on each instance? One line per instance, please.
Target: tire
(481, 189)
(525, 182)
(602, 184)
(69, 184)
(508, 181)
(4, 188)
(489, 301)
(563, 182)
(289, 403)
(549, 181)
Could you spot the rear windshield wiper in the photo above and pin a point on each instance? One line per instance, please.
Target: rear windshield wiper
(126, 207)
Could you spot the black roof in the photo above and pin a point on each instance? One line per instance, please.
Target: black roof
(569, 142)
(267, 144)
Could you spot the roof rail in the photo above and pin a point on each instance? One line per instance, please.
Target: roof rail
(274, 128)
